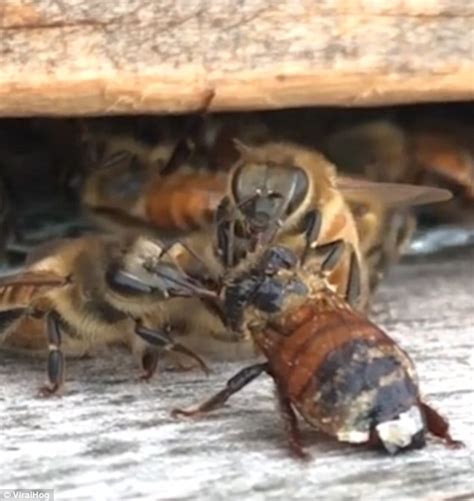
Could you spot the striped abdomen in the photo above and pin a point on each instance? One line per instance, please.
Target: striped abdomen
(185, 201)
(339, 370)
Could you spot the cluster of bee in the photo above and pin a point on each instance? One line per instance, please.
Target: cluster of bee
(266, 248)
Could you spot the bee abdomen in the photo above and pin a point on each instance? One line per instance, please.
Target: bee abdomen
(358, 367)
(360, 385)
(185, 202)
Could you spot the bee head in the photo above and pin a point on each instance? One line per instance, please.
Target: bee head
(267, 194)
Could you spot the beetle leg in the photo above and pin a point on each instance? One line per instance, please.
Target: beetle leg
(439, 427)
(235, 384)
(161, 339)
(290, 422)
(56, 362)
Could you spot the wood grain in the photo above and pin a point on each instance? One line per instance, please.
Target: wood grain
(80, 57)
(112, 438)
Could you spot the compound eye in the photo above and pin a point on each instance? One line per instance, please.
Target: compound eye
(247, 180)
(293, 183)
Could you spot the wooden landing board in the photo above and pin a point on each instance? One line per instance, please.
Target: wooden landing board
(79, 57)
(111, 437)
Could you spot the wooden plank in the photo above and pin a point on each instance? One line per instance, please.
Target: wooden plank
(111, 437)
(79, 57)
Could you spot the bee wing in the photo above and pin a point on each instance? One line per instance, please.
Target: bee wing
(20, 289)
(45, 250)
(390, 194)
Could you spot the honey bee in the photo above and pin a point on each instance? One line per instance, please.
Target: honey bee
(173, 186)
(289, 192)
(281, 184)
(87, 294)
(112, 190)
(429, 152)
(340, 372)
(446, 150)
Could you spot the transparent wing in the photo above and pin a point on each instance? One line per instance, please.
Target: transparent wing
(390, 194)
(20, 289)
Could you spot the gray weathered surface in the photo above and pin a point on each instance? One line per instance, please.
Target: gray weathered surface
(113, 438)
(76, 57)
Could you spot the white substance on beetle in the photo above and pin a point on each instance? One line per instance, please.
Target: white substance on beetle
(399, 433)
(353, 436)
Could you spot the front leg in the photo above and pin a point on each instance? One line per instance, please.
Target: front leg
(165, 279)
(225, 231)
(312, 223)
(235, 384)
(332, 255)
(56, 362)
(161, 339)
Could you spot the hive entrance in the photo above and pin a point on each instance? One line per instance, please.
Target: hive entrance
(44, 163)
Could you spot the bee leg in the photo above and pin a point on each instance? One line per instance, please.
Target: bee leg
(439, 427)
(291, 424)
(185, 147)
(161, 339)
(56, 363)
(332, 252)
(127, 281)
(312, 226)
(225, 232)
(174, 282)
(235, 384)
(354, 285)
(377, 264)
(149, 364)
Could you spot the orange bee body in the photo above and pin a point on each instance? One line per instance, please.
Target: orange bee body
(185, 201)
(446, 155)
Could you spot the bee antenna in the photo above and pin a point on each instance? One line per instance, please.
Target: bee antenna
(241, 147)
(201, 292)
(182, 150)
